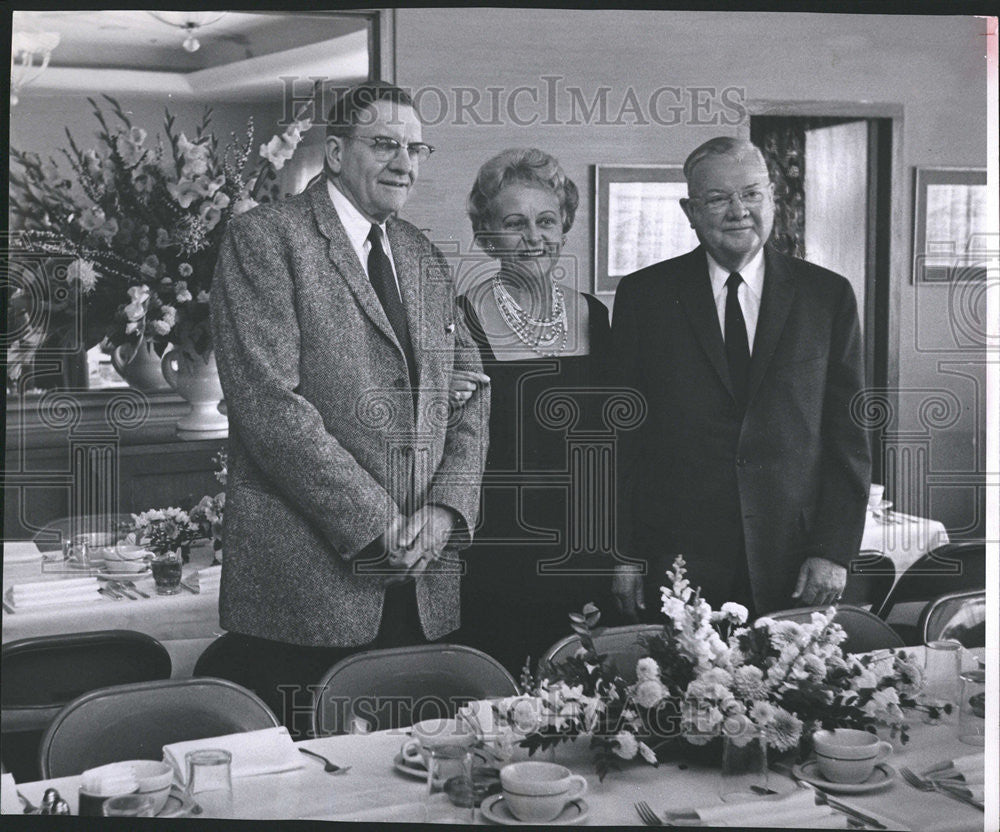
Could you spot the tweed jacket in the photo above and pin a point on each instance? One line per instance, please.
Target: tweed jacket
(789, 477)
(327, 442)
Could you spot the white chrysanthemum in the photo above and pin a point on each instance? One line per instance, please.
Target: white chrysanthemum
(649, 693)
(647, 668)
(628, 745)
(909, 677)
(748, 682)
(762, 712)
(784, 731)
(83, 273)
(737, 612)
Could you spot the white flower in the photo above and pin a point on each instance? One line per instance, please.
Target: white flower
(202, 296)
(647, 668)
(161, 327)
(784, 731)
(748, 682)
(241, 206)
(673, 608)
(762, 712)
(169, 315)
(185, 269)
(737, 612)
(83, 273)
(628, 745)
(647, 754)
(649, 693)
(182, 292)
(526, 714)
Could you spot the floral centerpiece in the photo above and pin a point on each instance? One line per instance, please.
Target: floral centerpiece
(207, 514)
(143, 221)
(711, 674)
(163, 531)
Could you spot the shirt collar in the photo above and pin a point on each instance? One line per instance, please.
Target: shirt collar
(752, 274)
(355, 223)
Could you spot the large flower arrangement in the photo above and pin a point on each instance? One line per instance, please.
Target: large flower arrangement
(710, 674)
(144, 221)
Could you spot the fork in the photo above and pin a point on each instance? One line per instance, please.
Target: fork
(647, 815)
(928, 785)
(650, 818)
(110, 592)
(131, 585)
(119, 586)
(332, 768)
(915, 780)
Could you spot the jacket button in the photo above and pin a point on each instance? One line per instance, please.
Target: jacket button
(741, 461)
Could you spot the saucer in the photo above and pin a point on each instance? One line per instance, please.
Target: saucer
(178, 805)
(419, 771)
(882, 776)
(494, 809)
(110, 575)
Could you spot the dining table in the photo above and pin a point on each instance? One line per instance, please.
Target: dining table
(185, 623)
(903, 538)
(376, 790)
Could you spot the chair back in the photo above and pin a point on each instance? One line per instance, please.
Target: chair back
(865, 630)
(398, 686)
(870, 576)
(957, 615)
(622, 645)
(134, 722)
(42, 674)
(953, 567)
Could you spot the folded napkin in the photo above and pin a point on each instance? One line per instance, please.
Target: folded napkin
(793, 810)
(50, 593)
(209, 577)
(20, 551)
(10, 804)
(968, 768)
(267, 751)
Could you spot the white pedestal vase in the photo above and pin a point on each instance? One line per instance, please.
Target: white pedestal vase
(196, 380)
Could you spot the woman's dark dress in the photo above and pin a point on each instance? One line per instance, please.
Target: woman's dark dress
(509, 610)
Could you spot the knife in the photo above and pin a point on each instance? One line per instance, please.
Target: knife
(190, 588)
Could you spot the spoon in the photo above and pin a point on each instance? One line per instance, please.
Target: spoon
(333, 768)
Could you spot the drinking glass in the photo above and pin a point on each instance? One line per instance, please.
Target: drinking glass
(167, 573)
(942, 663)
(449, 770)
(129, 806)
(744, 768)
(210, 781)
(972, 708)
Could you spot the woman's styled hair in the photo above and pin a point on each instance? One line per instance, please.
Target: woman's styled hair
(527, 166)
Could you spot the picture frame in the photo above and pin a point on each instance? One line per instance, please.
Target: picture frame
(638, 220)
(950, 225)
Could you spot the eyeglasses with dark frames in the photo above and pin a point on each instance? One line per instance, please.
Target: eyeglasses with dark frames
(384, 148)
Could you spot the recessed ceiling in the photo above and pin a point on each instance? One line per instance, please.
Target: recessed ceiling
(109, 43)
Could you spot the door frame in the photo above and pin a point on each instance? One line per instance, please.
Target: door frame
(887, 246)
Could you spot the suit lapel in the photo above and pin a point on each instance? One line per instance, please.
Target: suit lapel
(779, 290)
(407, 259)
(695, 289)
(341, 252)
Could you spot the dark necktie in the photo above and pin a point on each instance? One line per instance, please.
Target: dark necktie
(737, 343)
(384, 282)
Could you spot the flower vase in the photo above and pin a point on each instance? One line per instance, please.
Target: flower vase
(140, 366)
(744, 768)
(196, 380)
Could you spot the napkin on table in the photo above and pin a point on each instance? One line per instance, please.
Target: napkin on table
(48, 593)
(266, 751)
(208, 578)
(798, 809)
(968, 768)
(10, 804)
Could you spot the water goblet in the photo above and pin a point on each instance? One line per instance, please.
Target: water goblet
(942, 663)
(210, 781)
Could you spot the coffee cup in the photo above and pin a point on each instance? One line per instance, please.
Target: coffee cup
(98, 784)
(537, 792)
(875, 494)
(435, 733)
(847, 755)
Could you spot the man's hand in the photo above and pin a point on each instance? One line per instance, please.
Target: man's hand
(627, 591)
(821, 582)
(423, 538)
(464, 383)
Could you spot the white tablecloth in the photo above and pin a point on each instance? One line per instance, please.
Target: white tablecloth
(903, 538)
(184, 623)
(373, 782)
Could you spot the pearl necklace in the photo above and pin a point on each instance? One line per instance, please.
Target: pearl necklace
(540, 335)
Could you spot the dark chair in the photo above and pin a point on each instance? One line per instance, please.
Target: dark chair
(869, 578)
(865, 630)
(396, 687)
(134, 722)
(957, 615)
(42, 674)
(622, 645)
(950, 568)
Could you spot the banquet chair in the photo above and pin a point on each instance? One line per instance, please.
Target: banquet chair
(395, 687)
(869, 578)
(865, 630)
(134, 722)
(42, 674)
(622, 646)
(953, 567)
(957, 615)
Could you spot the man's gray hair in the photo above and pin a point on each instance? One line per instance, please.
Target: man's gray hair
(720, 146)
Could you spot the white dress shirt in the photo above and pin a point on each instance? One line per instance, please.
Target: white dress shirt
(749, 294)
(358, 228)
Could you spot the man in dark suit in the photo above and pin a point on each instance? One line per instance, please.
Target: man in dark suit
(749, 462)
(336, 333)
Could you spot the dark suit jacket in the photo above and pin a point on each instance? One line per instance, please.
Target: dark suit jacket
(326, 443)
(791, 475)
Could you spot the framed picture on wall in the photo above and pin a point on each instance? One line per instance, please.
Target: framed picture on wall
(638, 220)
(950, 225)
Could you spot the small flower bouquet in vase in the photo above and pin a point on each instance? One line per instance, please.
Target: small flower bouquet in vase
(167, 533)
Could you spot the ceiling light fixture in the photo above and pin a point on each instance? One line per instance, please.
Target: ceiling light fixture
(29, 55)
(190, 22)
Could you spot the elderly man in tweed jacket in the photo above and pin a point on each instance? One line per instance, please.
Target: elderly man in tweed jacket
(351, 481)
